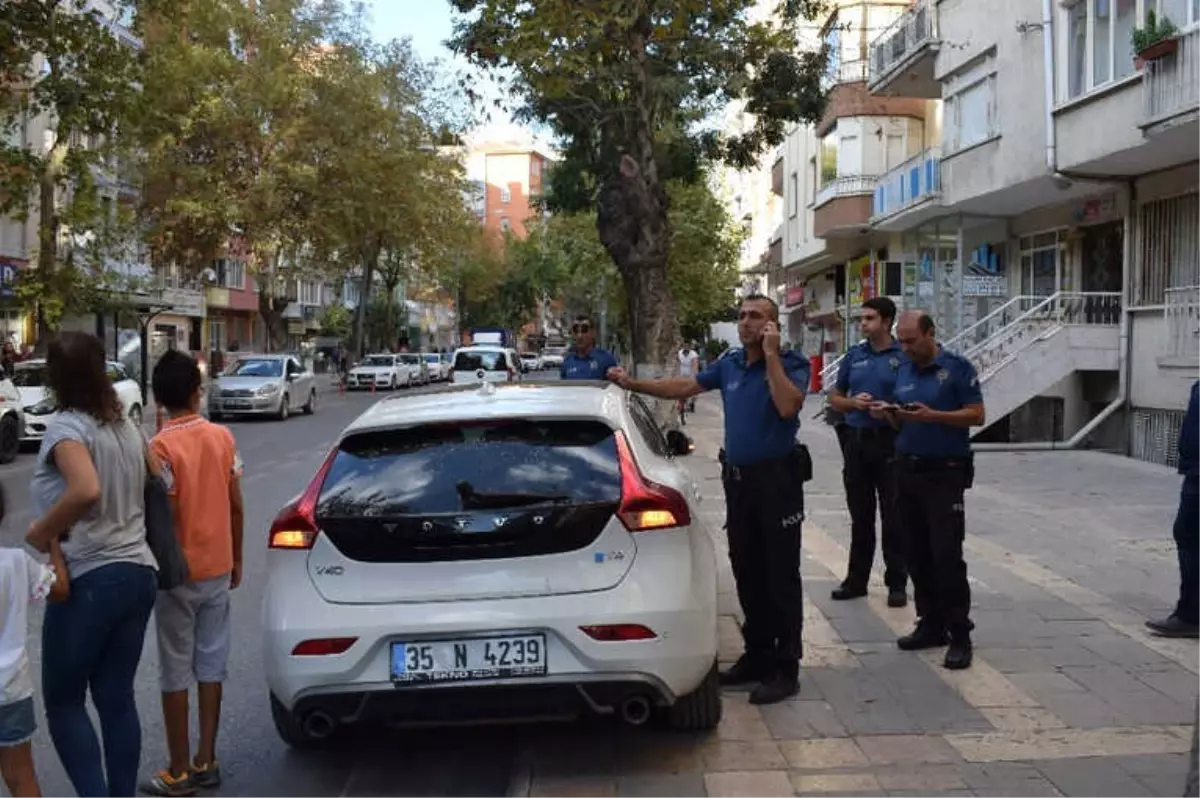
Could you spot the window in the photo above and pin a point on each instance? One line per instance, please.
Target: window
(972, 115)
(1042, 256)
(1168, 247)
(505, 196)
(793, 197)
(231, 273)
(484, 359)
(1099, 37)
(216, 335)
(643, 419)
(829, 157)
(505, 224)
(310, 292)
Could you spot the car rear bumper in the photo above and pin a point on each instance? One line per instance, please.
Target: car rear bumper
(672, 593)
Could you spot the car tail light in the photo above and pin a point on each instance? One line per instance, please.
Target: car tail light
(646, 505)
(615, 632)
(324, 646)
(296, 525)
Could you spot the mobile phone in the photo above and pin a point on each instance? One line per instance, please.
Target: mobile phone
(909, 407)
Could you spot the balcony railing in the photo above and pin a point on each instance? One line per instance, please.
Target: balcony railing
(1182, 315)
(1171, 84)
(845, 186)
(908, 32)
(918, 178)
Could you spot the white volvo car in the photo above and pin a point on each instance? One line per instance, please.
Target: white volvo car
(492, 552)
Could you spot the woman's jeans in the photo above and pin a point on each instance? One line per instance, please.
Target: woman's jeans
(94, 639)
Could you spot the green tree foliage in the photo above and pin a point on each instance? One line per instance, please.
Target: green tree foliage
(626, 84)
(62, 65)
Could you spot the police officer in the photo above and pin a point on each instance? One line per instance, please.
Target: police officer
(938, 400)
(585, 361)
(763, 470)
(868, 374)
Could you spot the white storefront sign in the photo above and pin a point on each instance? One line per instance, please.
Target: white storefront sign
(985, 285)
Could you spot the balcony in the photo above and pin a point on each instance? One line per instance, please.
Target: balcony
(843, 206)
(1182, 315)
(1171, 86)
(909, 191)
(903, 56)
(843, 72)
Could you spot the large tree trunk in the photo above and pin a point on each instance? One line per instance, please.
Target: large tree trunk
(48, 227)
(370, 260)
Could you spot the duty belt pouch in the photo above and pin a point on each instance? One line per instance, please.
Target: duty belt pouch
(803, 462)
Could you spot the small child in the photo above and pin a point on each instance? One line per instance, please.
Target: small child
(22, 580)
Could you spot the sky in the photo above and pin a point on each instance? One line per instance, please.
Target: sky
(428, 23)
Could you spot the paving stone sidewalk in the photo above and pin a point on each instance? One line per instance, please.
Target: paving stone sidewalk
(1068, 552)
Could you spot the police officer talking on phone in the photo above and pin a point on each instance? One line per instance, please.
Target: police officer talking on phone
(763, 470)
(868, 374)
(938, 400)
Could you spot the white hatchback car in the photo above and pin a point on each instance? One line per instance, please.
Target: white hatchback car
(485, 363)
(493, 552)
(29, 378)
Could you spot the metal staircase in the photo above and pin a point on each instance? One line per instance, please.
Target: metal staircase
(1025, 346)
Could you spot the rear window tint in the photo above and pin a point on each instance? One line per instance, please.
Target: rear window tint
(474, 361)
(454, 468)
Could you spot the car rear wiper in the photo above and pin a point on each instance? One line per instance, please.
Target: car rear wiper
(474, 500)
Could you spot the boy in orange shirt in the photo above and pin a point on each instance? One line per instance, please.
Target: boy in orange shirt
(203, 470)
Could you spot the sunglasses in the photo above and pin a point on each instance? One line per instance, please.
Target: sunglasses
(580, 328)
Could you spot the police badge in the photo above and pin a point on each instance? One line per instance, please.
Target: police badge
(943, 375)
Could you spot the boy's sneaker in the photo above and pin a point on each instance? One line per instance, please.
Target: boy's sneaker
(208, 776)
(163, 783)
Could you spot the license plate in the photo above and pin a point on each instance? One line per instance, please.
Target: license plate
(472, 658)
(242, 405)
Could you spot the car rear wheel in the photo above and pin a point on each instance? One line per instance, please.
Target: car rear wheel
(10, 438)
(292, 732)
(699, 710)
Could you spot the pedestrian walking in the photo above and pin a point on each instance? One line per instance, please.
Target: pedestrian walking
(585, 361)
(868, 374)
(939, 400)
(88, 489)
(23, 580)
(192, 621)
(763, 470)
(1185, 620)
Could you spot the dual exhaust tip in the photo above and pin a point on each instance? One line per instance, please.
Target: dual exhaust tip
(634, 710)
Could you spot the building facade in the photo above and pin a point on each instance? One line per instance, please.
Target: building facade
(1043, 206)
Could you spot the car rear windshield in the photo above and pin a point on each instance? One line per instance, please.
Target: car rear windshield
(31, 377)
(486, 360)
(411, 360)
(432, 359)
(454, 468)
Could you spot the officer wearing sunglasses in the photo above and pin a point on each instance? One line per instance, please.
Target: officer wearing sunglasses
(585, 361)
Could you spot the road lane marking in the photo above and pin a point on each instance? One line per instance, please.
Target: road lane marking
(1012, 746)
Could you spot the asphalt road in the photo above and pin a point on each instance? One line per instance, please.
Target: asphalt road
(279, 460)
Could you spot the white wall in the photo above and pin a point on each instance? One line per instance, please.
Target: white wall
(799, 243)
(1152, 385)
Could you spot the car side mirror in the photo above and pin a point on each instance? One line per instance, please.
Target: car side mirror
(679, 444)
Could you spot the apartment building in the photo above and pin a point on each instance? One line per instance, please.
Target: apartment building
(1049, 221)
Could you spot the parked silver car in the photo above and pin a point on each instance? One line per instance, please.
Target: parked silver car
(263, 385)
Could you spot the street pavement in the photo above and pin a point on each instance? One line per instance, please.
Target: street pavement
(1068, 553)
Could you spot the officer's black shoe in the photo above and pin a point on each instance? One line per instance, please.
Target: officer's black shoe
(749, 668)
(1173, 626)
(844, 592)
(959, 654)
(897, 598)
(924, 636)
(780, 686)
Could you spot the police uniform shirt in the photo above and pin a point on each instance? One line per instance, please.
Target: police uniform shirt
(863, 370)
(592, 366)
(948, 383)
(754, 430)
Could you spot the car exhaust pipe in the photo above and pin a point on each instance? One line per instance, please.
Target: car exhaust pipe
(318, 725)
(635, 710)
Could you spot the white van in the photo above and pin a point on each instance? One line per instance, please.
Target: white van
(476, 364)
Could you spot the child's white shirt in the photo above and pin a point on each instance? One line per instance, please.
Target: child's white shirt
(22, 580)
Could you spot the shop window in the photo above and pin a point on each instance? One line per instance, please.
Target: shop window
(893, 274)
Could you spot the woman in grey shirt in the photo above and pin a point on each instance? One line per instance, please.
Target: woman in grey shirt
(88, 487)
